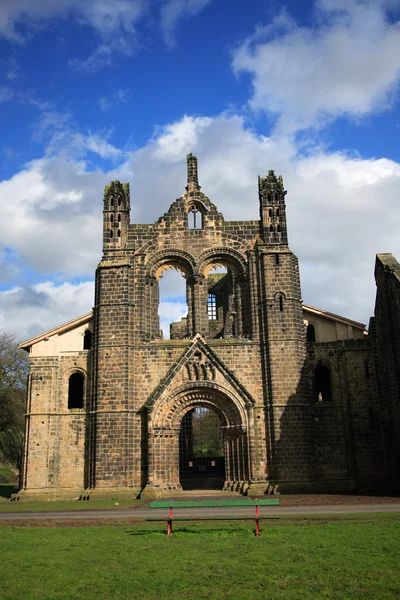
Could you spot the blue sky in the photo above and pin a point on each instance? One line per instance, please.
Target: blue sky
(93, 91)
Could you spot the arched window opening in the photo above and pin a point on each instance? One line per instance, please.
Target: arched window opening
(195, 218)
(271, 228)
(112, 202)
(277, 212)
(172, 307)
(119, 202)
(75, 390)
(212, 307)
(87, 340)
(322, 379)
(201, 450)
(111, 234)
(311, 333)
(278, 228)
(221, 302)
(280, 302)
(277, 260)
(119, 218)
(270, 213)
(119, 233)
(111, 218)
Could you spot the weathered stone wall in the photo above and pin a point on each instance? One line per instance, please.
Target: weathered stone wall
(347, 429)
(54, 455)
(252, 366)
(385, 336)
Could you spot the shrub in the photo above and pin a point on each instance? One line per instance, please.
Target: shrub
(7, 476)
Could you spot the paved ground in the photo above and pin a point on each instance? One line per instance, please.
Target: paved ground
(144, 512)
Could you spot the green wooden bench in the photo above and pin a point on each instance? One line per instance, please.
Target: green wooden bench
(237, 503)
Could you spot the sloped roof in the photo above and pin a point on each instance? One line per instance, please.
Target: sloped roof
(57, 330)
(331, 316)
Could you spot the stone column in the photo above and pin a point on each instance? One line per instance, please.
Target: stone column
(200, 295)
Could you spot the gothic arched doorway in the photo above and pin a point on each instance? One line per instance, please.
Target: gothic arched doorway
(168, 417)
(201, 450)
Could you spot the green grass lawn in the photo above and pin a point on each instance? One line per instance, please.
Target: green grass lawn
(293, 559)
(16, 507)
(5, 506)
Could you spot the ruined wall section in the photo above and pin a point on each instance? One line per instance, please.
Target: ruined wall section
(385, 330)
(114, 431)
(171, 243)
(347, 428)
(282, 334)
(54, 455)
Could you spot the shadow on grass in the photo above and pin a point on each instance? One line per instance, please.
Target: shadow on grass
(6, 489)
(217, 531)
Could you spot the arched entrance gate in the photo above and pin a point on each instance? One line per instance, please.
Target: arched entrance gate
(164, 427)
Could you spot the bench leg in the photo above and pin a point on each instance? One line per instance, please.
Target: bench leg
(257, 527)
(171, 514)
(257, 522)
(169, 531)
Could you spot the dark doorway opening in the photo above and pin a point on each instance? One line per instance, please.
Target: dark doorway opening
(201, 451)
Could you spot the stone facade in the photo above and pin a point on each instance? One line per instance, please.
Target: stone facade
(295, 388)
(385, 335)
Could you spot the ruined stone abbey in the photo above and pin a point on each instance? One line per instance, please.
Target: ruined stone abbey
(304, 400)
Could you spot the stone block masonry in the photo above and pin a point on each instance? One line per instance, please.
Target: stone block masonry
(295, 414)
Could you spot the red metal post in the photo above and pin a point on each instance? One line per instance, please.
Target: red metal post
(257, 522)
(169, 532)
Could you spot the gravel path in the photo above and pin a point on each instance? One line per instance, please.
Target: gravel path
(289, 506)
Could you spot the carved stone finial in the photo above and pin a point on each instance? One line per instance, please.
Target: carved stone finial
(192, 177)
(117, 189)
(271, 183)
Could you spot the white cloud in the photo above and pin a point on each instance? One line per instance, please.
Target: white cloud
(170, 312)
(115, 24)
(6, 93)
(173, 11)
(106, 18)
(346, 64)
(121, 96)
(30, 310)
(338, 207)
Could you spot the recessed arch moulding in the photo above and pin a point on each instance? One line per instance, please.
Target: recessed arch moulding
(164, 425)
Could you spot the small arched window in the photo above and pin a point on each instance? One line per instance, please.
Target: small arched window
(271, 228)
(322, 380)
(111, 218)
(119, 233)
(119, 218)
(270, 212)
(311, 333)
(75, 390)
(278, 228)
(111, 234)
(280, 302)
(112, 202)
(277, 212)
(119, 202)
(87, 340)
(195, 218)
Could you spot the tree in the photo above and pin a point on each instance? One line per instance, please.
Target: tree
(13, 377)
(207, 433)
